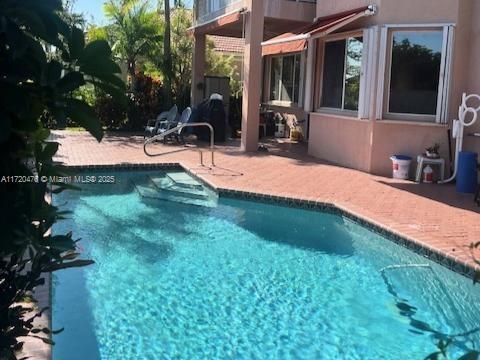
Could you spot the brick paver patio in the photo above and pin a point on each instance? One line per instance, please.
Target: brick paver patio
(433, 215)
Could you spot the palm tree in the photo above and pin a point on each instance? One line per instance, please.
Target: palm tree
(167, 53)
(134, 30)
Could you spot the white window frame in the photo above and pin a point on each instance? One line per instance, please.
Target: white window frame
(441, 115)
(361, 106)
(300, 84)
(368, 72)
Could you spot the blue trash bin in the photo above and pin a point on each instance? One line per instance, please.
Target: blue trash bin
(467, 172)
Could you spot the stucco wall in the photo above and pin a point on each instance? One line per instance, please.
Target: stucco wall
(393, 137)
(368, 144)
(341, 140)
(473, 73)
(289, 10)
(396, 11)
(474, 45)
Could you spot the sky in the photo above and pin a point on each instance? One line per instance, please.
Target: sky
(93, 10)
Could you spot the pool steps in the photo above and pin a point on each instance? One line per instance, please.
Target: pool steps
(175, 186)
(183, 179)
(165, 184)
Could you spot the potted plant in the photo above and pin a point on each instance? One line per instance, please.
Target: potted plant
(432, 151)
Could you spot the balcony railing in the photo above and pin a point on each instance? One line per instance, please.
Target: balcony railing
(206, 10)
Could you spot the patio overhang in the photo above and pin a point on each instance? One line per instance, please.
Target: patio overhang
(217, 23)
(297, 40)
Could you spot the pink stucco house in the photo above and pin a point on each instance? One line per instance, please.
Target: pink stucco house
(372, 77)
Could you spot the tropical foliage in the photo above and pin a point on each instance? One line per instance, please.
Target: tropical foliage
(218, 64)
(182, 45)
(33, 83)
(134, 29)
(167, 53)
(137, 35)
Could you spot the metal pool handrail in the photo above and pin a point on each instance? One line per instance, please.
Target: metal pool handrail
(179, 128)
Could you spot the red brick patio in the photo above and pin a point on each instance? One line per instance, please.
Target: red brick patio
(433, 215)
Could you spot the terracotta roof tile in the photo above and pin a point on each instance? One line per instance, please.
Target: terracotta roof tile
(228, 44)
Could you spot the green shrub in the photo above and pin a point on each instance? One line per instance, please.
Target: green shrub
(111, 113)
(145, 101)
(87, 93)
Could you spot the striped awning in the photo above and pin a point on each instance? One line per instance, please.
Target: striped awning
(294, 41)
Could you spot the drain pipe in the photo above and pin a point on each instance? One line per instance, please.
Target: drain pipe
(458, 127)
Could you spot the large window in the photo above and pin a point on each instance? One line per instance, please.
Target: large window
(414, 72)
(341, 73)
(285, 78)
(417, 73)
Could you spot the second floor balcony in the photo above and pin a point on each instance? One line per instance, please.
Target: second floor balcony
(288, 10)
(206, 10)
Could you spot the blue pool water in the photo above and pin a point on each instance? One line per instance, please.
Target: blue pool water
(245, 280)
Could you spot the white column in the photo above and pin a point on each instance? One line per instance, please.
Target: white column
(309, 76)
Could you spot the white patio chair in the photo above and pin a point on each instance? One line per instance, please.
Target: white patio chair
(184, 118)
(165, 117)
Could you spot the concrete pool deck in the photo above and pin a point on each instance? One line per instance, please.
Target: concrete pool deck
(434, 216)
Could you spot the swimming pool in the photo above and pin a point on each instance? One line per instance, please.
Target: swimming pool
(235, 279)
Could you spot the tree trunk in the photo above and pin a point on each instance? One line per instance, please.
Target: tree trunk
(167, 53)
(131, 72)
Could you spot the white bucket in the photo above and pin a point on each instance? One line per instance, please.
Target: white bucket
(400, 166)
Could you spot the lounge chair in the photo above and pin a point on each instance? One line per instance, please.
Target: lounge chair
(184, 119)
(161, 121)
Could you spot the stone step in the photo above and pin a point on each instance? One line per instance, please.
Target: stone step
(184, 179)
(164, 188)
(178, 190)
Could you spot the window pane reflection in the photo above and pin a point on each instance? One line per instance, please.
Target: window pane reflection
(415, 71)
